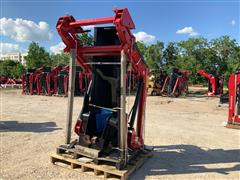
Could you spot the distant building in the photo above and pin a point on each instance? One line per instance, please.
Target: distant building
(20, 57)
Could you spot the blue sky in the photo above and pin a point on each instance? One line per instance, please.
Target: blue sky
(155, 20)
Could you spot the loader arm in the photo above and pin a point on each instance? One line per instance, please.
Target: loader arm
(212, 81)
(202, 72)
(68, 28)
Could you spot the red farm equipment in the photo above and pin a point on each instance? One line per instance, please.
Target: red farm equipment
(176, 84)
(62, 81)
(156, 82)
(106, 132)
(84, 81)
(3, 80)
(215, 83)
(26, 81)
(41, 79)
(33, 81)
(51, 79)
(181, 84)
(234, 100)
(7, 81)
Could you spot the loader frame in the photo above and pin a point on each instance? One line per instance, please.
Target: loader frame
(214, 87)
(68, 28)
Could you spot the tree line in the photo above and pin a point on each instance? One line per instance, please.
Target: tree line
(218, 56)
(38, 57)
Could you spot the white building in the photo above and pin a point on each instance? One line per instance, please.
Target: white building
(20, 57)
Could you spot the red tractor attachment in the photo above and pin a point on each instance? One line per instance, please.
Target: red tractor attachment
(234, 101)
(52, 80)
(26, 81)
(156, 82)
(5, 81)
(84, 81)
(176, 84)
(215, 84)
(41, 79)
(33, 81)
(106, 132)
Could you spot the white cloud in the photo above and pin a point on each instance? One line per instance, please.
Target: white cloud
(233, 22)
(187, 30)
(24, 30)
(58, 48)
(144, 37)
(8, 48)
(89, 27)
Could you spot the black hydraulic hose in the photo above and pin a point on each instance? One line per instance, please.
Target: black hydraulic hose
(135, 105)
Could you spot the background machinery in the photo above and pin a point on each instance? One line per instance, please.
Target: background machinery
(215, 83)
(106, 132)
(53, 81)
(156, 81)
(6, 81)
(176, 83)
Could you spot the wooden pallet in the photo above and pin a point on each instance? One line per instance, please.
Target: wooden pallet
(233, 126)
(100, 171)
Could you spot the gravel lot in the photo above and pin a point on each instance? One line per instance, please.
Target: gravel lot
(188, 135)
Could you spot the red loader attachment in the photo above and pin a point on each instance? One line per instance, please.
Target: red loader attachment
(234, 101)
(33, 81)
(5, 81)
(215, 84)
(41, 79)
(106, 132)
(176, 84)
(53, 81)
(26, 81)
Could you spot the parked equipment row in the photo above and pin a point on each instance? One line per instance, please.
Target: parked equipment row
(53, 81)
(5, 81)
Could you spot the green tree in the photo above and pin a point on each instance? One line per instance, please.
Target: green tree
(142, 48)
(86, 39)
(37, 56)
(60, 59)
(220, 55)
(193, 54)
(227, 54)
(170, 56)
(154, 55)
(11, 69)
(18, 70)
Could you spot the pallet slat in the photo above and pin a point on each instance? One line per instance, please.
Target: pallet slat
(233, 126)
(105, 171)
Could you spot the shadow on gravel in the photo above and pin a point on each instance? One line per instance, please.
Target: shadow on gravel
(38, 127)
(189, 159)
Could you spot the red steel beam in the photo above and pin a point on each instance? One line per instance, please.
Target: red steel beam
(98, 49)
(88, 22)
(102, 54)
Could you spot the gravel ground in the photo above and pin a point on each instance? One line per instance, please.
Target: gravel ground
(188, 135)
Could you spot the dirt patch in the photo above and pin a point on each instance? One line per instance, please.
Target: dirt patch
(188, 135)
